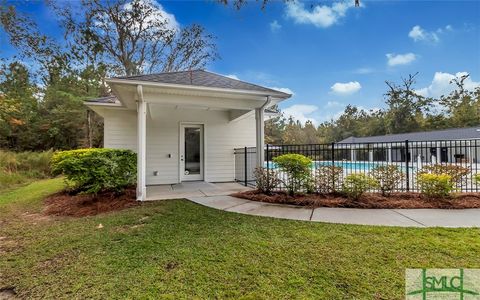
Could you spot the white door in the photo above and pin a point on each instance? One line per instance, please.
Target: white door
(191, 152)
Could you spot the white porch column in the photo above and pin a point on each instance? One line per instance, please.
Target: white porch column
(260, 139)
(141, 145)
(389, 153)
(353, 154)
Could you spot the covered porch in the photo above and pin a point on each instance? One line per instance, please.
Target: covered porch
(224, 119)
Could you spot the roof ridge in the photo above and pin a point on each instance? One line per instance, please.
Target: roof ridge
(412, 132)
(438, 134)
(159, 73)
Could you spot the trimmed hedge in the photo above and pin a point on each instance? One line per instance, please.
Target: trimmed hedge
(356, 184)
(95, 170)
(436, 185)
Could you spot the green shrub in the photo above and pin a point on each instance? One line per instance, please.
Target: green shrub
(476, 177)
(95, 170)
(328, 179)
(297, 168)
(356, 184)
(388, 178)
(266, 180)
(457, 173)
(435, 185)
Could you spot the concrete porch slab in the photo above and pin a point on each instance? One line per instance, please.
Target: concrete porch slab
(193, 185)
(192, 189)
(156, 189)
(174, 195)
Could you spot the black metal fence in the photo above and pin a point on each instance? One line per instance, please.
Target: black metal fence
(409, 156)
(245, 163)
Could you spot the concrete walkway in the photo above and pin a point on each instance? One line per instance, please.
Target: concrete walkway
(385, 217)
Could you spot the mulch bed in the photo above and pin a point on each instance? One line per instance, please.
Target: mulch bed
(80, 205)
(368, 200)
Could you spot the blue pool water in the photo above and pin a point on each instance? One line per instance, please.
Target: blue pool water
(346, 165)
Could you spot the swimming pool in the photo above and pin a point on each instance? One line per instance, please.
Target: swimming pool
(346, 165)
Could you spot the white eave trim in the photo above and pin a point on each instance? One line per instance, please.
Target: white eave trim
(197, 88)
(116, 104)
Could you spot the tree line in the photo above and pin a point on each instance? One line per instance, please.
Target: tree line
(406, 111)
(43, 86)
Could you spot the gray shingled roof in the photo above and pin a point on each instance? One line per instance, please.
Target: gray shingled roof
(437, 135)
(203, 78)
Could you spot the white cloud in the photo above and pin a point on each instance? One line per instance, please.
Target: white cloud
(441, 84)
(419, 34)
(347, 88)
(233, 76)
(400, 59)
(284, 90)
(301, 112)
(363, 71)
(275, 26)
(320, 16)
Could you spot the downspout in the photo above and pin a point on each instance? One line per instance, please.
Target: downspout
(260, 138)
(267, 102)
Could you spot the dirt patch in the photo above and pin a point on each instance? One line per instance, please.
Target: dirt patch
(8, 245)
(8, 293)
(397, 200)
(35, 218)
(171, 265)
(80, 205)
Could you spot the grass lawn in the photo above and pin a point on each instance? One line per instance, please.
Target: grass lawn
(178, 249)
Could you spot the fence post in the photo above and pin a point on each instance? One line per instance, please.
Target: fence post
(333, 165)
(407, 171)
(246, 173)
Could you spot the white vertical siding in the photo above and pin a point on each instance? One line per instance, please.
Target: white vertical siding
(163, 127)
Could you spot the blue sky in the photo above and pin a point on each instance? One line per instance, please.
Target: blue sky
(330, 53)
